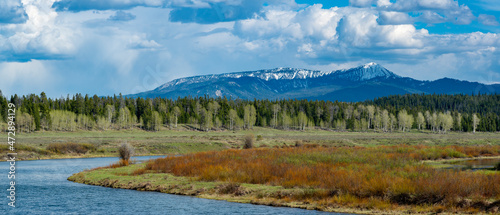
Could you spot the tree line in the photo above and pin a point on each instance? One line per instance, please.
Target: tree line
(437, 113)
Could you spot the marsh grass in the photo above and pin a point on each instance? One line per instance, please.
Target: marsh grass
(371, 175)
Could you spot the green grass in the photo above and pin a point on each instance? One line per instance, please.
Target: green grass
(182, 140)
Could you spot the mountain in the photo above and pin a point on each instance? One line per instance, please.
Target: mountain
(368, 81)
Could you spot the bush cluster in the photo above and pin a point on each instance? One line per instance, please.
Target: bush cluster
(67, 148)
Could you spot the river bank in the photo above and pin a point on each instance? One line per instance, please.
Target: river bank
(42, 187)
(383, 179)
(123, 178)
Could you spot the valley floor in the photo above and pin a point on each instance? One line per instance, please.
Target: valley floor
(37, 145)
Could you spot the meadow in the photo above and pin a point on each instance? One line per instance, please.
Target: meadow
(183, 140)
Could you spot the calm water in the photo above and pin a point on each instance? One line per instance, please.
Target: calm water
(42, 188)
(475, 164)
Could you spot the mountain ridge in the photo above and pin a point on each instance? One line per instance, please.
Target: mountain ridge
(364, 82)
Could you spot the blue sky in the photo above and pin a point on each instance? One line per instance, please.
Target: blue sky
(107, 47)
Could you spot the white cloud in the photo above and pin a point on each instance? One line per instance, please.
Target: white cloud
(361, 3)
(384, 3)
(401, 36)
(394, 18)
(429, 11)
(361, 29)
(115, 56)
(40, 37)
(488, 20)
(139, 42)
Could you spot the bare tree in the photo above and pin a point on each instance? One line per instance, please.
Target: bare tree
(276, 110)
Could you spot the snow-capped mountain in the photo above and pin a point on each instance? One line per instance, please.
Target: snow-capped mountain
(266, 75)
(366, 72)
(360, 83)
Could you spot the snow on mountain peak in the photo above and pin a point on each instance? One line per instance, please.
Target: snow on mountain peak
(366, 72)
(361, 73)
(371, 64)
(267, 75)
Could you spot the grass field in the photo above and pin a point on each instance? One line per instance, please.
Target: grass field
(182, 140)
(361, 172)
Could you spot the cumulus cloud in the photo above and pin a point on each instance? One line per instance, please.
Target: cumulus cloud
(182, 37)
(121, 16)
(12, 11)
(138, 42)
(312, 23)
(394, 18)
(213, 11)
(428, 11)
(186, 11)
(361, 29)
(39, 37)
(328, 34)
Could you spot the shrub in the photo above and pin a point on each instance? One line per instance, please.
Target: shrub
(125, 151)
(497, 166)
(120, 163)
(248, 141)
(139, 171)
(259, 137)
(63, 148)
(299, 143)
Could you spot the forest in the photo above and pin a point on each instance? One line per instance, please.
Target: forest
(402, 113)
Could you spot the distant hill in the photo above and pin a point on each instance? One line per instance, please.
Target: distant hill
(368, 81)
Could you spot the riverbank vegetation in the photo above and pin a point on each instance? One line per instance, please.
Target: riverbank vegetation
(183, 140)
(377, 178)
(436, 113)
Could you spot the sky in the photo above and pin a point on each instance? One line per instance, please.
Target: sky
(109, 47)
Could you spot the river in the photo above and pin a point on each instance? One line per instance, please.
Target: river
(42, 188)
